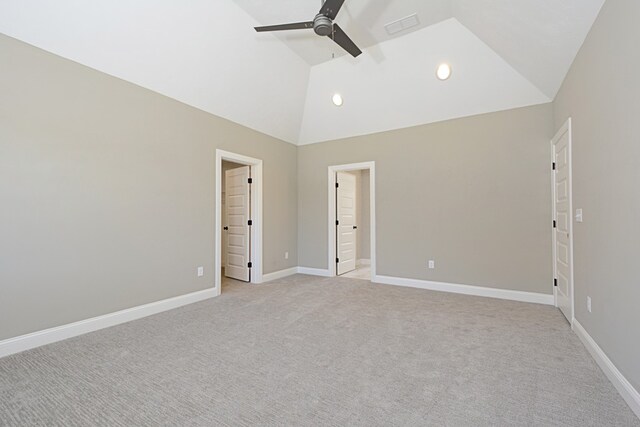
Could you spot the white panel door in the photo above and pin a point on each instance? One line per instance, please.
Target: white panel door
(224, 231)
(238, 194)
(346, 222)
(563, 245)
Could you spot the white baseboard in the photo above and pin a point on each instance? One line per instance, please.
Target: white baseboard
(59, 333)
(624, 387)
(362, 262)
(279, 274)
(314, 271)
(467, 289)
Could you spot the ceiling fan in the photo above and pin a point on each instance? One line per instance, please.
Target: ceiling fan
(323, 25)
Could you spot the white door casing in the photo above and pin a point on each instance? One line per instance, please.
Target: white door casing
(346, 222)
(563, 221)
(238, 195)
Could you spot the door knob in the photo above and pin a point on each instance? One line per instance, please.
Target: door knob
(226, 228)
(355, 227)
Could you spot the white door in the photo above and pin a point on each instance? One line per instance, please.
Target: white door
(238, 194)
(563, 239)
(346, 222)
(224, 231)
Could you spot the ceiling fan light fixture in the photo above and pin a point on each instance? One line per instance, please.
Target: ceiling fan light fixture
(444, 71)
(337, 100)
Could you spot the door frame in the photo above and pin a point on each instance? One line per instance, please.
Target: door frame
(331, 213)
(256, 215)
(566, 128)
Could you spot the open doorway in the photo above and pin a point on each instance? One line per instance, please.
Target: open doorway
(352, 220)
(238, 237)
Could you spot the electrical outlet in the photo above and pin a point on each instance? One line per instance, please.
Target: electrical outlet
(432, 264)
(589, 304)
(286, 255)
(200, 271)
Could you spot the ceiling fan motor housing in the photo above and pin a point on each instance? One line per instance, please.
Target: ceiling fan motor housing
(322, 25)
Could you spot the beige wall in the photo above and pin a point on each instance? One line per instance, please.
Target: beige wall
(602, 95)
(473, 194)
(107, 192)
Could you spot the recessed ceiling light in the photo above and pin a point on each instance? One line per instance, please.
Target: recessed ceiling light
(444, 71)
(337, 100)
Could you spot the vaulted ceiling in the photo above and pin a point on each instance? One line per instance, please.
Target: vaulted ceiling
(504, 54)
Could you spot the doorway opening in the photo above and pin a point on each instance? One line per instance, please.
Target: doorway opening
(352, 231)
(562, 221)
(238, 222)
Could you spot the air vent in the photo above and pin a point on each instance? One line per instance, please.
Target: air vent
(402, 24)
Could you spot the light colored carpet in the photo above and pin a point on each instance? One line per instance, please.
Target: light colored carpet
(318, 351)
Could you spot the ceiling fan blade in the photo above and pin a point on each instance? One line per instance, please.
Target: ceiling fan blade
(330, 8)
(344, 41)
(284, 27)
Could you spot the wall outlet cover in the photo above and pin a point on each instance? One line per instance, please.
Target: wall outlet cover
(200, 271)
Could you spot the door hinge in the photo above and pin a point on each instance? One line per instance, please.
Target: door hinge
(250, 180)
(555, 282)
(337, 185)
(553, 166)
(337, 260)
(250, 265)
(250, 222)
(554, 223)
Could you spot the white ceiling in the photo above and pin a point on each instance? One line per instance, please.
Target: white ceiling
(411, 94)
(504, 53)
(539, 38)
(362, 20)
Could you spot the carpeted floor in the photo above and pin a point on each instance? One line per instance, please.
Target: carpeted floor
(317, 351)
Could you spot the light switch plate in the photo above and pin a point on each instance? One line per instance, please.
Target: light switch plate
(578, 215)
